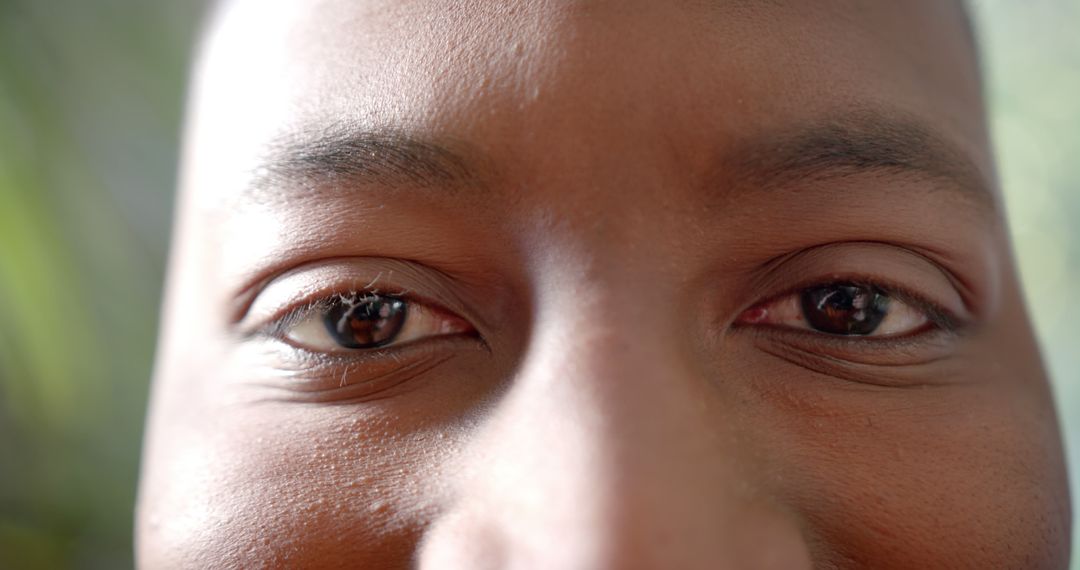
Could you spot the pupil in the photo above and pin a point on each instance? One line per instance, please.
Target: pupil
(364, 320)
(844, 308)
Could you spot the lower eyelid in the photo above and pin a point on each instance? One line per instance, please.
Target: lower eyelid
(899, 366)
(345, 386)
(292, 371)
(921, 347)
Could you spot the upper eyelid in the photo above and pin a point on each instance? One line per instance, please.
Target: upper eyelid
(934, 282)
(292, 290)
(285, 300)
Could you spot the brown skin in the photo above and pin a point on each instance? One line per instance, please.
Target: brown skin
(608, 196)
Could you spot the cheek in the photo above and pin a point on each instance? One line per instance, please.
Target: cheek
(952, 477)
(282, 485)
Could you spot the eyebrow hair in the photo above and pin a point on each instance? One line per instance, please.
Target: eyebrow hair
(860, 142)
(345, 154)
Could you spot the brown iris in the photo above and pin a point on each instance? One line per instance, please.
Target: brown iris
(844, 308)
(364, 320)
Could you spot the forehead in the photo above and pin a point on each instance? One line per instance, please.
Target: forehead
(574, 80)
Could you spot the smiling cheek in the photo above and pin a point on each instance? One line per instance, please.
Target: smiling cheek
(931, 477)
(295, 486)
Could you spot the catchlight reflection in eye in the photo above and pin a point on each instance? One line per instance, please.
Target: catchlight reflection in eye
(845, 309)
(359, 321)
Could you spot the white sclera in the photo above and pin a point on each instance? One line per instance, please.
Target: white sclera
(420, 322)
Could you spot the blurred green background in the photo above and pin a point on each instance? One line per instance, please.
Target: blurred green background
(90, 102)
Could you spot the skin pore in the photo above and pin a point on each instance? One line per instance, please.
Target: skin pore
(597, 247)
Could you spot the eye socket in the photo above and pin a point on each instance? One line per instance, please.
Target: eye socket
(841, 309)
(366, 321)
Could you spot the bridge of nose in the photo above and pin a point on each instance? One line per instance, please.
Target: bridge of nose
(610, 447)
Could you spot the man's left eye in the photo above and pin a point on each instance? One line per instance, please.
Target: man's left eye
(842, 308)
(363, 321)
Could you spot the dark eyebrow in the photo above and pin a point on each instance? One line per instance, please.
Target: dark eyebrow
(859, 142)
(346, 154)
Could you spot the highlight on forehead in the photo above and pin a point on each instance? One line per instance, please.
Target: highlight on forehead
(214, 8)
(329, 148)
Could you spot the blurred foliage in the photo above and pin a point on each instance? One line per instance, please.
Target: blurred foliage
(90, 101)
(1031, 53)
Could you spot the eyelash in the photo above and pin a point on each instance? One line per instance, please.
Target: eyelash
(939, 318)
(279, 328)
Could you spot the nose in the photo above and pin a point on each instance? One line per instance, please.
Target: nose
(612, 449)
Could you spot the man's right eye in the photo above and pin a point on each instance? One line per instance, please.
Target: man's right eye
(361, 321)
